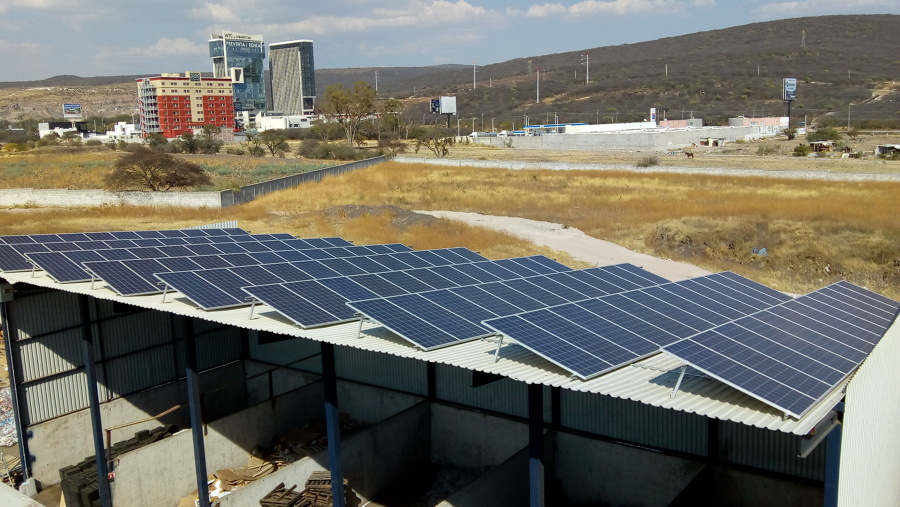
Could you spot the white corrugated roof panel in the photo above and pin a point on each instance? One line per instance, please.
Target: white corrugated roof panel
(649, 381)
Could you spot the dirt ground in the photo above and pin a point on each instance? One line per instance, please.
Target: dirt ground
(736, 155)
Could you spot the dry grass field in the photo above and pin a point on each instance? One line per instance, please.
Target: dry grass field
(814, 232)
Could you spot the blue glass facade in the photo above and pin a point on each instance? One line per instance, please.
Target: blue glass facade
(240, 57)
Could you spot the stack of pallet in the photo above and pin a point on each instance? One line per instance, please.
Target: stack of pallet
(318, 493)
(79, 482)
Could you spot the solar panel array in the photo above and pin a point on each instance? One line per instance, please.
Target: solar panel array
(792, 355)
(439, 318)
(14, 248)
(132, 277)
(591, 337)
(316, 303)
(221, 288)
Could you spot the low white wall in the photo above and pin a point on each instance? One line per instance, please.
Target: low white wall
(657, 140)
(81, 198)
(467, 439)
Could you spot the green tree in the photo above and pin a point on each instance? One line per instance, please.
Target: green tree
(275, 141)
(156, 141)
(208, 142)
(824, 134)
(349, 107)
(147, 169)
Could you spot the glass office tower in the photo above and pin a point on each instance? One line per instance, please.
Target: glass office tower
(240, 57)
(292, 71)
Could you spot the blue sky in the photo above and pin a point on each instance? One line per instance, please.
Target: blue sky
(44, 38)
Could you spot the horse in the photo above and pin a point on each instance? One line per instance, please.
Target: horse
(690, 154)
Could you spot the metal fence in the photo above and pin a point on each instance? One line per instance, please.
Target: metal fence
(250, 192)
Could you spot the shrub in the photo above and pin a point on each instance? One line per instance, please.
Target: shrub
(647, 162)
(767, 149)
(824, 134)
(802, 150)
(235, 150)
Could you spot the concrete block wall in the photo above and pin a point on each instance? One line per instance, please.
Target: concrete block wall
(67, 440)
(81, 198)
(659, 140)
(467, 439)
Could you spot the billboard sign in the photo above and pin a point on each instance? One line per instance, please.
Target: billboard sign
(790, 88)
(448, 105)
(71, 110)
(194, 76)
(435, 106)
(653, 114)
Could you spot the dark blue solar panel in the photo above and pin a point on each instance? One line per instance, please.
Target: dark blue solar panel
(229, 248)
(204, 249)
(625, 319)
(485, 300)
(574, 283)
(122, 243)
(402, 323)
(148, 252)
(205, 240)
(266, 257)
(176, 251)
(139, 242)
(512, 296)
(324, 298)
(397, 247)
(465, 253)
(318, 254)
(477, 272)
(122, 235)
(45, 238)
(255, 275)
(562, 290)
(287, 303)
(73, 236)
(171, 234)
(319, 242)
(11, 260)
(212, 261)
(357, 250)
(644, 274)
(740, 284)
(17, 240)
(82, 256)
(454, 275)
(178, 264)
(457, 326)
(410, 259)
(297, 244)
(545, 297)
(62, 246)
(254, 246)
(495, 269)
(106, 236)
(205, 291)
(678, 308)
(792, 355)
(516, 267)
(538, 267)
(342, 267)
(59, 267)
(432, 279)
(459, 305)
(378, 285)
(121, 279)
(709, 289)
(316, 269)
(366, 264)
(292, 255)
(337, 241)
(390, 262)
(609, 274)
(117, 255)
(379, 249)
(238, 259)
(286, 272)
(406, 281)
(350, 290)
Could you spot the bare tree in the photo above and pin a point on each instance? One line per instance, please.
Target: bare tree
(146, 169)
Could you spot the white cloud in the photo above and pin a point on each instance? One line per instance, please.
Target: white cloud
(166, 47)
(590, 7)
(416, 13)
(820, 7)
(162, 49)
(217, 12)
(703, 3)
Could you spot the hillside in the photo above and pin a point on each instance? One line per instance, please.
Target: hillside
(847, 64)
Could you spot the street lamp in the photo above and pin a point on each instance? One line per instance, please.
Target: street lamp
(586, 60)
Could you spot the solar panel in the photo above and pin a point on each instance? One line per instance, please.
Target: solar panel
(592, 336)
(59, 267)
(11, 260)
(205, 291)
(124, 281)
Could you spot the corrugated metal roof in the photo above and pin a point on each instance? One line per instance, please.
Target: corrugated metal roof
(649, 381)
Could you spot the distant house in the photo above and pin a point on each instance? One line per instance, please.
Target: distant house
(887, 149)
(822, 146)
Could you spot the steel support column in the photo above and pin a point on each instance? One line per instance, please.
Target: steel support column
(536, 445)
(832, 466)
(332, 423)
(193, 388)
(432, 381)
(16, 392)
(87, 349)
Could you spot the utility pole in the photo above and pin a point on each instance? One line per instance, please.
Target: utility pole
(537, 100)
(473, 74)
(586, 60)
(376, 81)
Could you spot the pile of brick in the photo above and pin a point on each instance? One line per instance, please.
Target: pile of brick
(79, 483)
(318, 493)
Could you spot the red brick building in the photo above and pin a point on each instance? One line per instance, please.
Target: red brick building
(174, 104)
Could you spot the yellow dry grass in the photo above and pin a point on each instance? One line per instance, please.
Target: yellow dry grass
(814, 232)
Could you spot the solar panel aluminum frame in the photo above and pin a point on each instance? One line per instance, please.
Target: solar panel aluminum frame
(254, 300)
(365, 318)
(96, 277)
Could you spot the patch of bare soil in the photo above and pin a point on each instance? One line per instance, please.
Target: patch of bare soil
(401, 218)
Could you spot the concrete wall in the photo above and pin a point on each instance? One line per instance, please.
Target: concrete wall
(467, 439)
(228, 443)
(67, 440)
(371, 460)
(651, 140)
(76, 198)
(12, 498)
(612, 474)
